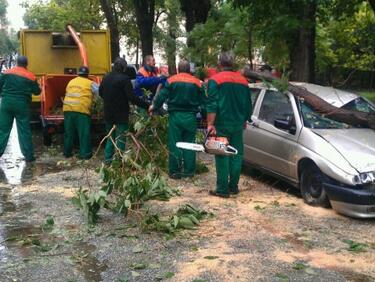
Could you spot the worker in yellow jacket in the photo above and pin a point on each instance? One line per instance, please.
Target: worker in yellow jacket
(77, 113)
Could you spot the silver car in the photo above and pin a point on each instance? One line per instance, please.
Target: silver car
(331, 162)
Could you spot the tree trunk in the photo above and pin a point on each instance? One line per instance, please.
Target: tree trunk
(111, 18)
(145, 12)
(302, 48)
(250, 48)
(372, 4)
(354, 118)
(171, 53)
(196, 11)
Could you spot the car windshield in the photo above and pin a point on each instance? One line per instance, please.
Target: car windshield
(361, 105)
(313, 119)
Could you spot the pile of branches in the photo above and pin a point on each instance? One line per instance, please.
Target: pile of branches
(134, 176)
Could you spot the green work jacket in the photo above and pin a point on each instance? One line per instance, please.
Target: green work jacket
(182, 92)
(229, 98)
(18, 84)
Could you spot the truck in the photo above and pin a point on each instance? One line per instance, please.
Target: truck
(54, 57)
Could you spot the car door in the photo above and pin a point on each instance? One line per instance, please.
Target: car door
(265, 144)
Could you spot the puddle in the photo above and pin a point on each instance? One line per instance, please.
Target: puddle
(87, 263)
(12, 164)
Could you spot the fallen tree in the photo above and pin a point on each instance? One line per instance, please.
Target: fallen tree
(354, 118)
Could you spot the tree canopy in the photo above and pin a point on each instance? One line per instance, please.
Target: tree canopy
(305, 38)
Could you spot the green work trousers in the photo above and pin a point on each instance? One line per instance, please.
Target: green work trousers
(77, 124)
(118, 136)
(182, 128)
(228, 168)
(11, 109)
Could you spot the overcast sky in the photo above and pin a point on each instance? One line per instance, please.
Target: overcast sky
(15, 13)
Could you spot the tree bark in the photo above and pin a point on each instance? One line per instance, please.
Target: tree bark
(354, 118)
(171, 53)
(196, 11)
(145, 12)
(302, 47)
(372, 4)
(111, 18)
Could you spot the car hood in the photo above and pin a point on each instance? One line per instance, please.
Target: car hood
(356, 145)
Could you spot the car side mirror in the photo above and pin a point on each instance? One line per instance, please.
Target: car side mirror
(284, 124)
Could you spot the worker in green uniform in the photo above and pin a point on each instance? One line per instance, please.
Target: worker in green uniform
(228, 108)
(77, 113)
(16, 87)
(184, 95)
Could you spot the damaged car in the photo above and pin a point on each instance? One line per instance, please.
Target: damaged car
(332, 163)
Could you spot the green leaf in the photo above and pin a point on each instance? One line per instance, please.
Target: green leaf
(211, 257)
(282, 276)
(299, 266)
(135, 274)
(138, 266)
(137, 250)
(356, 246)
(169, 274)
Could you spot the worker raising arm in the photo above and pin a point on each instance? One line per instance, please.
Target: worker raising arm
(148, 78)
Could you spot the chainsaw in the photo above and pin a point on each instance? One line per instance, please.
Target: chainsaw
(212, 145)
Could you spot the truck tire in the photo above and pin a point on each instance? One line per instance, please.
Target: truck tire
(312, 189)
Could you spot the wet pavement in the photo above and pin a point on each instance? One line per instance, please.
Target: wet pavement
(264, 234)
(22, 242)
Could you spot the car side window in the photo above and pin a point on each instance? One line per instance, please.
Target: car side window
(276, 106)
(254, 95)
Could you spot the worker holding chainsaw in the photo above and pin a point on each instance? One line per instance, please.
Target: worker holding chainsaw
(77, 113)
(228, 108)
(184, 95)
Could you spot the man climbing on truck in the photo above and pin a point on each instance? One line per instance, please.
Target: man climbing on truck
(16, 87)
(77, 113)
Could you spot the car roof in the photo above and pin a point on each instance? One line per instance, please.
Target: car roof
(334, 96)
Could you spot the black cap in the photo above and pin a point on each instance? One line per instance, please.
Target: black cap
(22, 61)
(120, 65)
(83, 70)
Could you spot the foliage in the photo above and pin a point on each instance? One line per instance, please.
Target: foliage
(347, 42)
(133, 177)
(55, 14)
(355, 247)
(186, 217)
(224, 30)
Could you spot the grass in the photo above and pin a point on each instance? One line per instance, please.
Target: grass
(369, 94)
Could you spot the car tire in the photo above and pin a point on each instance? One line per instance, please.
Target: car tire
(312, 189)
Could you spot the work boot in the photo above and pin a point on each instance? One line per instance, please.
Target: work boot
(214, 193)
(175, 176)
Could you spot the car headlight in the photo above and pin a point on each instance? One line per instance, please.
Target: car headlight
(365, 178)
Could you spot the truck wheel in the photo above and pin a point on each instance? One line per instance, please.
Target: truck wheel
(312, 189)
(47, 139)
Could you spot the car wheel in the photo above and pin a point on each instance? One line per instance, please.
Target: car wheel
(312, 189)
